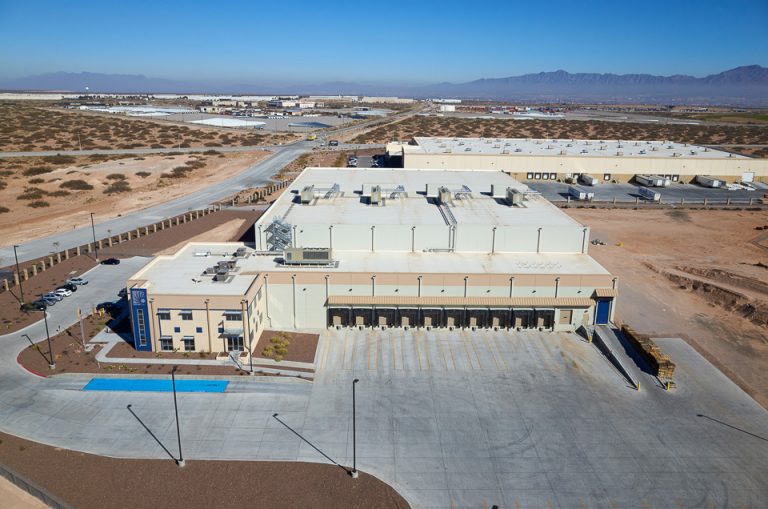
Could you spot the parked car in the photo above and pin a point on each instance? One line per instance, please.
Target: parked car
(77, 281)
(53, 296)
(108, 307)
(40, 304)
(333, 143)
(63, 292)
(110, 261)
(68, 286)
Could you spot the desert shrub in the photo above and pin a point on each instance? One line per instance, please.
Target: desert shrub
(78, 184)
(3, 210)
(59, 159)
(31, 193)
(143, 174)
(119, 186)
(38, 204)
(6, 173)
(60, 192)
(3, 185)
(36, 180)
(116, 176)
(36, 170)
(211, 152)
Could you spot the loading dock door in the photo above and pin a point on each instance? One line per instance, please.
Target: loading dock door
(603, 314)
(748, 176)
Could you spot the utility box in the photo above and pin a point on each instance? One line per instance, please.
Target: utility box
(444, 196)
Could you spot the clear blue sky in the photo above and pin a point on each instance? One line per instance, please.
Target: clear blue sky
(381, 41)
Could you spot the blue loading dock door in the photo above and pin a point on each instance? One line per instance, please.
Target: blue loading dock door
(603, 313)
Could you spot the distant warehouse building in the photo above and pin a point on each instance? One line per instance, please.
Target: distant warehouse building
(548, 159)
(379, 248)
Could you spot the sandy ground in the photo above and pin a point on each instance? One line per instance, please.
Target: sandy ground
(64, 212)
(16, 498)
(696, 275)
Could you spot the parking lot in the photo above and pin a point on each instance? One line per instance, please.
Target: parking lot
(606, 192)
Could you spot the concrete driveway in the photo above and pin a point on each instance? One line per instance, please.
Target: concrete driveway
(450, 419)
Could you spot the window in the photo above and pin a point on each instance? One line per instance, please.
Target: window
(163, 315)
(189, 343)
(199, 330)
(142, 327)
(537, 175)
(166, 343)
(529, 176)
(221, 329)
(186, 315)
(177, 329)
(675, 178)
(552, 176)
(233, 316)
(235, 344)
(606, 176)
(545, 176)
(566, 316)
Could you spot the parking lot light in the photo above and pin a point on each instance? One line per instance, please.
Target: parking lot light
(18, 273)
(180, 461)
(52, 361)
(354, 432)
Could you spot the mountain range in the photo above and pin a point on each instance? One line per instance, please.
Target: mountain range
(744, 86)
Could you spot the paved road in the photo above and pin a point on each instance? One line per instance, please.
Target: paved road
(256, 175)
(184, 150)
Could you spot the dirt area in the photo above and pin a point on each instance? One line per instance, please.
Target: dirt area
(301, 347)
(697, 274)
(11, 318)
(88, 481)
(33, 126)
(228, 225)
(39, 200)
(492, 128)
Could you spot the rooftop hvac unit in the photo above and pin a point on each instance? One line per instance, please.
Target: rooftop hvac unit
(375, 195)
(308, 256)
(443, 195)
(221, 275)
(210, 271)
(514, 197)
(518, 150)
(240, 252)
(307, 194)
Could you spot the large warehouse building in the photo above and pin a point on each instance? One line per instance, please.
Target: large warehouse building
(548, 159)
(379, 248)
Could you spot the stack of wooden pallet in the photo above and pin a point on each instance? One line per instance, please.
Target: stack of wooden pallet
(662, 365)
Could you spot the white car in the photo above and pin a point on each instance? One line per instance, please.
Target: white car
(63, 292)
(77, 281)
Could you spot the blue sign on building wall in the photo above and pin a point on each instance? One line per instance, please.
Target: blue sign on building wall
(142, 339)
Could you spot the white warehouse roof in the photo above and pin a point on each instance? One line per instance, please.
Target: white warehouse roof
(564, 147)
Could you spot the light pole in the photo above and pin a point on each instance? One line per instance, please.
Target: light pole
(18, 273)
(52, 362)
(180, 461)
(93, 231)
(354, 431)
